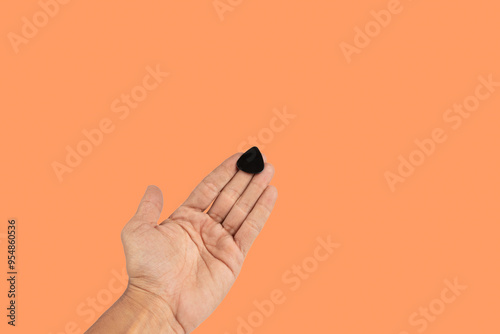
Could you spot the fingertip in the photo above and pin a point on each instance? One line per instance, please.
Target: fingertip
(152, 187)
(153, 194)
(153, 190)
(273, 192)
(236, 156)
(270, 167)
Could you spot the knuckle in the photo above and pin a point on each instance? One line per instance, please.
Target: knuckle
(147, 206)
(216, 216)
(244, 206)
(253, 225)
(232, 193)
(209, 188)
(231, 229)
(264, 208)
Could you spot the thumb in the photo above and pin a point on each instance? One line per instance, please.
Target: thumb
(150, 207)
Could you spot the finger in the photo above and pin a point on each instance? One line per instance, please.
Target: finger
(246, 202)
(255, 221)
(150, 207)
(229, 195)
(209, 188)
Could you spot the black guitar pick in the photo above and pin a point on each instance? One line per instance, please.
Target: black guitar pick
(251, 161)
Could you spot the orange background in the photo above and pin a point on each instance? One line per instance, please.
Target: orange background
(352, 122)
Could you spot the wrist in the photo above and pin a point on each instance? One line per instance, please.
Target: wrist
(150, 311)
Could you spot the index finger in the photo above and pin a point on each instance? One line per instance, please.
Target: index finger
(210, 187)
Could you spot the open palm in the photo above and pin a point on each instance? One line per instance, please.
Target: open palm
(189, 261)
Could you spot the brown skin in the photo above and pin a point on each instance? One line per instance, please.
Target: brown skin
(181, 269)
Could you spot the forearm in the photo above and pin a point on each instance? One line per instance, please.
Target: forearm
(136, 312)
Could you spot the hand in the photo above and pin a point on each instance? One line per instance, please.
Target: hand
(181, 269)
